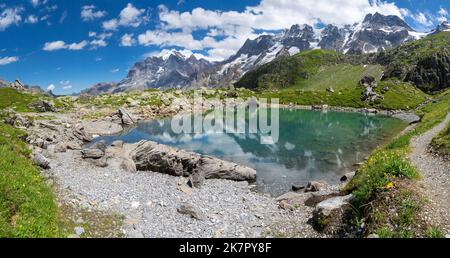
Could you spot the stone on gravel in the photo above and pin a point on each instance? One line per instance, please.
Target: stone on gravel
(41, 161)
(128, 165)
(328, 215)
(117, 144)
(296, 188)
(92, 153)
(190, 210)
(101, 162)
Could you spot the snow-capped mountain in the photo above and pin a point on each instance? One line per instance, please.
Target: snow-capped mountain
(444, 26)
(174, 70)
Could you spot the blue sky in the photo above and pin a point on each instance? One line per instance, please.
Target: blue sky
(70, 45)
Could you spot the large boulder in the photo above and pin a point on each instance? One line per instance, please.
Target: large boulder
(96, 154)
(151, 156)
(80, 133)
(127, 118)
(43, 106)
(328, 216)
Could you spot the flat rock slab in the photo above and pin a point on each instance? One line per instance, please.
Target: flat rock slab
(102, 128)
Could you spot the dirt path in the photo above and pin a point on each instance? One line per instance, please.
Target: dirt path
(435, 178)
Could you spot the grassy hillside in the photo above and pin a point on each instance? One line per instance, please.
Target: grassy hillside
(305, 79)
(425, 62)
(441, 143)
(11, 98)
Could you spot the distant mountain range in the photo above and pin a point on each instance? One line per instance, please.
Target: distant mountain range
(375, 33)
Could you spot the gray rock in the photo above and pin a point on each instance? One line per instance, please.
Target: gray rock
(127, 118)
(61, 147)
(190, 210)
(41, 161)
(348, 176)
(314, 186)
(296, 188)
(328, 215)
(43, 106)
(101, 162)
(15, 119)
(117, 144)
(81, 134)
(410, 118)
(92, 153)
(128, 165)
(73, 146)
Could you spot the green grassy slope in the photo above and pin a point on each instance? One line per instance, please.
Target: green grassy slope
(425, 62)
(303, 79)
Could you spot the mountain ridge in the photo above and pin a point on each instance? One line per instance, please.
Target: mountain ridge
(375, 33)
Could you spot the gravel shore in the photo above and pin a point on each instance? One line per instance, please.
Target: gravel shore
(435, 178)
(149, 202)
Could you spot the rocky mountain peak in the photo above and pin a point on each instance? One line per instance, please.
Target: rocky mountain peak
(444, 26)
(378, 20)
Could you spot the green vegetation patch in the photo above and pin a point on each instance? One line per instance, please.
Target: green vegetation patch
(11, 98)
(441, 143)
(27, 207)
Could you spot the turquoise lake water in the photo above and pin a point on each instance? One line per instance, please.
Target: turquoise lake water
(312, 145)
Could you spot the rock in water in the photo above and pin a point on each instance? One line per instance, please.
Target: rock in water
(151, 156)
(190, 210)
(314, 186)
(329, 214)
(41, 161)
(127, 118)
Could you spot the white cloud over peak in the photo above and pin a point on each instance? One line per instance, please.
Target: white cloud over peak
(51, 87)
(88, 13)
(58, 45)
(8, 60)
(130, 16)
(234, 27)
(10, 16)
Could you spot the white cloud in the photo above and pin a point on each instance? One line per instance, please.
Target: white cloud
(51, 87)
(115, 70)
(130, 16)
(422, 19)
(66, 85)
(110, 25)
(58, 45)
(77, 46)
(99, 39)
(88, 13)
(8, 60)
(127, 40)
(177, 28)
(10, 16)
(36, 3)
(32, 19)
(443, 12)
(442, 15)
